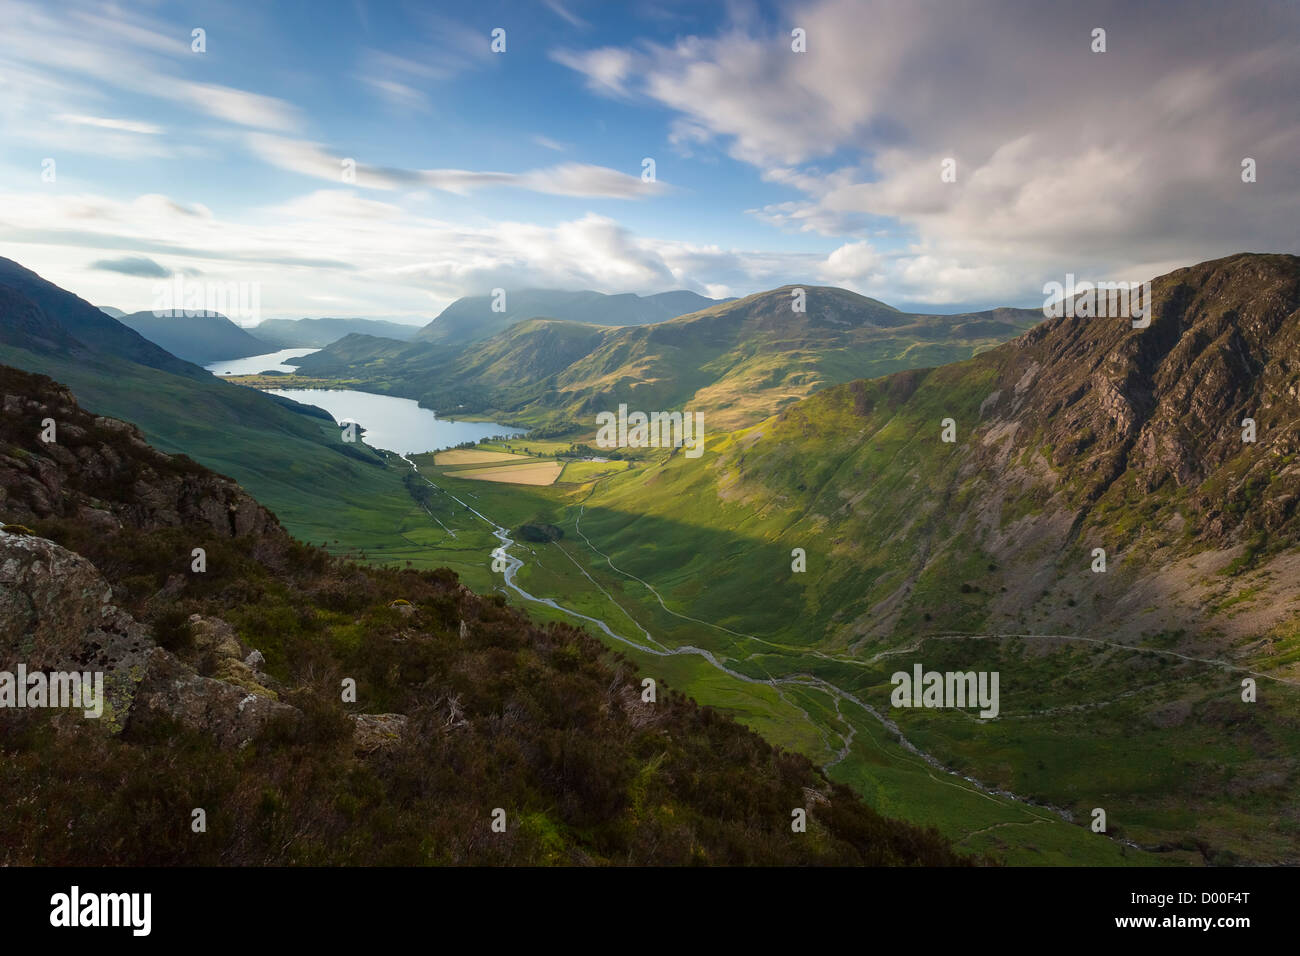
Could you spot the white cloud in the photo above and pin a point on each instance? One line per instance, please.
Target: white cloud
(104, 122)
(372, 257)
(1065, 158)
(566, 179)
(143, 59)
(853, 261)
(606, 69)
(398, 94)
(238, 106)
(565, 13)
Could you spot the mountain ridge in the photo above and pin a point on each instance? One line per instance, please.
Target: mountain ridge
(737, 361)
(320, 332)
(473, 318)
(202, 339)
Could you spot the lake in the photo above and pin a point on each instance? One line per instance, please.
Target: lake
(271, 361)
(397, 424)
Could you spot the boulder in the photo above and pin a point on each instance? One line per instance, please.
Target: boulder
(376, 731)
(231, 714)
(56, 615)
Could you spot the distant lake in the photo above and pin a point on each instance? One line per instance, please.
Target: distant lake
(271, 361)
(397, 424)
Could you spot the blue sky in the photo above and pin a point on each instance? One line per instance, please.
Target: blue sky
(478, 170)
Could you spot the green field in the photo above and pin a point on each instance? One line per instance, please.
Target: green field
(577, 472)
(528, 446)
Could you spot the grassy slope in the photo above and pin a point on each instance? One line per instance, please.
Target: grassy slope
(1077, 726)
(500, 712)
(1083, 725)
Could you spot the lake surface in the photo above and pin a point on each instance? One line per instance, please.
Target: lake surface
(271, 361)
(397, 424)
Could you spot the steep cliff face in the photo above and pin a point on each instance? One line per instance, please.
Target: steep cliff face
(1164, 406)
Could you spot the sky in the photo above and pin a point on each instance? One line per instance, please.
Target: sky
(381, 159)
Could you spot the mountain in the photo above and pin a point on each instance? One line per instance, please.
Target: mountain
(318, 333)
(1122, 681)
(40, 314)
(271, 445)
(201, 339)
(221, 691)
(736, 362)
(472, 319)
(110, 311)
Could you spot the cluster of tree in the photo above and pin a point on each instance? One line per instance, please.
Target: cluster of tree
(586, 451)
(539, 533)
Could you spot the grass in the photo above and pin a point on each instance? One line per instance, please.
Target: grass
(322, 489)
(527, 446)
(577, 472)
(700, 535)
(290, 380)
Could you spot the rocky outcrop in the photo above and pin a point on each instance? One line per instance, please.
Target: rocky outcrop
(221, 654)
(102, 471)
(56, 614)
(230, 713)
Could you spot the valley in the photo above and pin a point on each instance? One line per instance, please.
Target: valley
(1135, 708)
(831, 707)
(1120, 692)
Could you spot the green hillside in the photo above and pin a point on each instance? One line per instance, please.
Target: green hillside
(1122, 689)
(221, 692)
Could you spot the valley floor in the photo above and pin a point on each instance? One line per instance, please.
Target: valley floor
(1020, 788)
